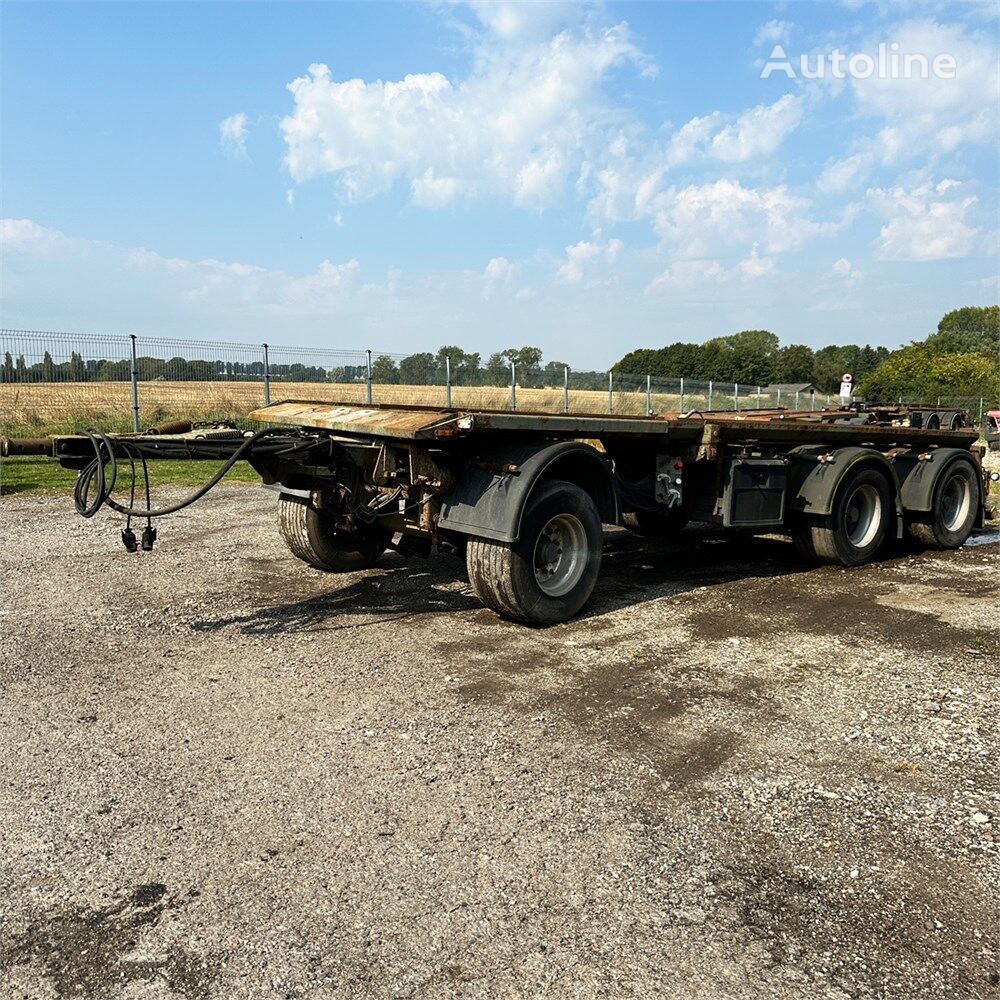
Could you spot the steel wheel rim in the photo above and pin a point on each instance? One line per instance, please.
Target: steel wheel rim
(560, 555)
(956, 498)
(863, 515)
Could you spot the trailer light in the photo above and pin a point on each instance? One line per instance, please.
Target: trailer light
(995, 477)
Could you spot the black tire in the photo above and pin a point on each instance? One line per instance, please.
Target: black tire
(857, 528)
(312, 535)
(655, 525)
(957, 422)
(504, 575)
(933, 422)
(954, 507)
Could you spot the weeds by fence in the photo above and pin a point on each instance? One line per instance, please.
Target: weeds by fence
(59, 382)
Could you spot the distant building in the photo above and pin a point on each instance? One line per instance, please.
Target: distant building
(789, 388)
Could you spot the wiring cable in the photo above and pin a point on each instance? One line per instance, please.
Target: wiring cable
(94, 487)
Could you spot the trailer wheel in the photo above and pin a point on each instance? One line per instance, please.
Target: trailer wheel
(933, 422)
(653, 524)
(312, 535)
(548, 574)
(856, 530)
(957, 422)
(953, 509)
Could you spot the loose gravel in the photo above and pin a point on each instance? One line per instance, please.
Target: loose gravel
(225, 774)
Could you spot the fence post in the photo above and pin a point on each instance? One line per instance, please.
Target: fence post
(758, 396)
(736, 396)
(267, 378)
(649, 396)
(513, 386)
(980, 410)
(368, 380)
(681, 405)
(447, 381)
(709, 394)
(565, 388)
(796, 399)
(135, 387)
(611, 390)
(778, 400)
(938, 401)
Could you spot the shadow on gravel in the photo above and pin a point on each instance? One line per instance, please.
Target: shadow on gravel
(400, 591)
(97, 953)
(634, 570)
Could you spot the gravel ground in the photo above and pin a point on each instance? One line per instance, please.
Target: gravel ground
(225, 774)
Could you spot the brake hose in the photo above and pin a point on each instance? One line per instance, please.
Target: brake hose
(93, 476)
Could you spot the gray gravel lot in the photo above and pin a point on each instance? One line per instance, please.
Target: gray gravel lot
(225, 774)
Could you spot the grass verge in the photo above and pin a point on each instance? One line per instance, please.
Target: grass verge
(30, 474)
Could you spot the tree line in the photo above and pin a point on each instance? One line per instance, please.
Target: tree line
(959, 358)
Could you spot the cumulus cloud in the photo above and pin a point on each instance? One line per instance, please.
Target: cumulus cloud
(700, 218)
(584, 258)
(497, 272)
(845, 271)
(924, 223)
(517, 127)
(28, 236)
(758, 131)
(233, 134)
(683, 274)
(771, 33)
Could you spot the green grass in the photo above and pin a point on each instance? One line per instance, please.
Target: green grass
(24, 474)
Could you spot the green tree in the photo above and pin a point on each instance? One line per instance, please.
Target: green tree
(497, 371)
(48, 368)
(918, 371)
(7, 372)
(793, 364)
(971, 328)
(384, 370)
(417, 369)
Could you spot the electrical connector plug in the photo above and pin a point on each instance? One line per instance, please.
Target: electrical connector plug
(148, 537)
(128, 540)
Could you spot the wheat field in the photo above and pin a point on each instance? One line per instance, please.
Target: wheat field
(35, 409)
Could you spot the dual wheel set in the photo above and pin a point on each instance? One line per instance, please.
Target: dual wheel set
(548, 574)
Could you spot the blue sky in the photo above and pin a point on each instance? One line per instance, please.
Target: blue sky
(586, 178)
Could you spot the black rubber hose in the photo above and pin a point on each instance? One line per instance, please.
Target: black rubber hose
(94, 473)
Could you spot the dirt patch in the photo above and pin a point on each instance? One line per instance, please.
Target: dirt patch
(97, 953)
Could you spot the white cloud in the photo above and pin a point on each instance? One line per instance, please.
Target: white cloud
(924, 223)
(497, 272)
(584, 257)
(755, 266)
(839, 175)
(845, 271)
(683, 274)
(758, 131)
(29, 237)
(233, 134)
(698, 219)
(518, 127)
(772, 32)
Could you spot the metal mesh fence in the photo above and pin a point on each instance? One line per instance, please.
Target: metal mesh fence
(60, 382)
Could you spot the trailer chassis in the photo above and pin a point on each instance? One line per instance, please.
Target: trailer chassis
(523, 496)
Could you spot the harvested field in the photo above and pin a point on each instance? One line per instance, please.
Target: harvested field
(734, 776)
(36, 408)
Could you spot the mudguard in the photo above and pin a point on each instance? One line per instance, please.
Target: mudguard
(489, 503)
(919, 478)
(812, 484)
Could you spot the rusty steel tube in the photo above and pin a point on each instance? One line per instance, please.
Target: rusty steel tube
(25, 446)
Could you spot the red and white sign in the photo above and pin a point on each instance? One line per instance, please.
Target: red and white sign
(847, 377)
(846, 385)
